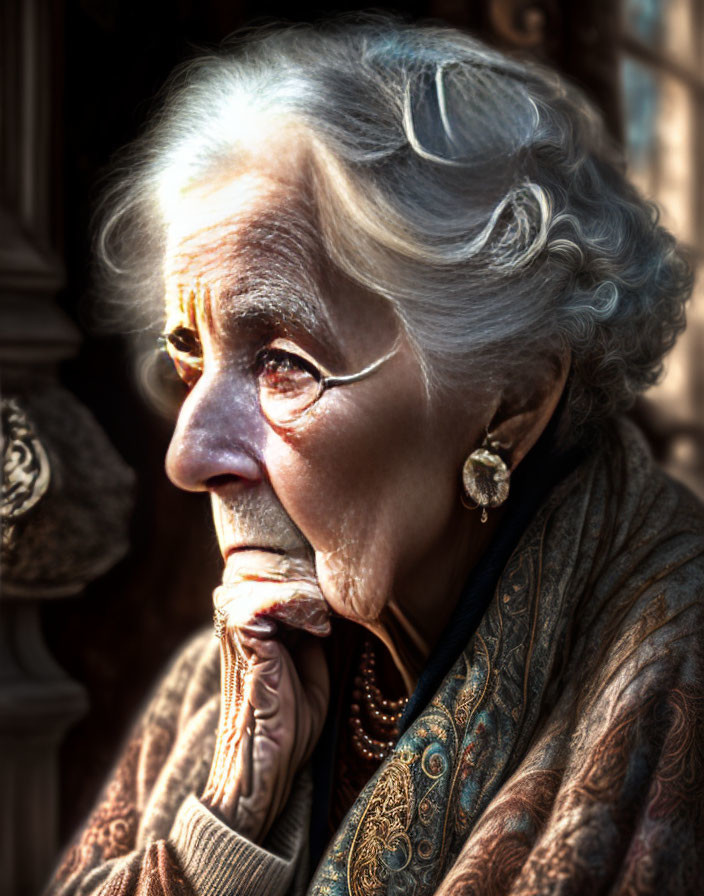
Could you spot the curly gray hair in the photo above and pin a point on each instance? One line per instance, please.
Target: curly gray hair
(478, 194)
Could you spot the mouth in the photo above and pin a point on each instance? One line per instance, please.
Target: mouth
(246, 548)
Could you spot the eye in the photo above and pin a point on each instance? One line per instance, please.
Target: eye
(183, 348)
(288, 384)
(284, 370)
(183, 340)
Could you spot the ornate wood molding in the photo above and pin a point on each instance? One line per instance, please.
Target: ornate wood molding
(519, 23)
(66, 494)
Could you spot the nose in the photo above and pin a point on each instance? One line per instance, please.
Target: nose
(217, 439)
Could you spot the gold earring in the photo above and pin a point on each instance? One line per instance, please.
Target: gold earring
(485, 478)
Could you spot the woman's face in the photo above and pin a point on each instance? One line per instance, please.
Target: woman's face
(368, 478)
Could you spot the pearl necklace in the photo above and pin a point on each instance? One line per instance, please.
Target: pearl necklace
(383, 715)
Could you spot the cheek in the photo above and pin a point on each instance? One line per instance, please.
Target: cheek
(362, 489)
(327, 479)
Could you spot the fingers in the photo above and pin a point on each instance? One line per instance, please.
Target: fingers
(231, 762)
(297, 604)
(275, 675)
(265, 690)
(260, 628)
(311, 666)
(275, 697)
(243, 757)
(264, 762)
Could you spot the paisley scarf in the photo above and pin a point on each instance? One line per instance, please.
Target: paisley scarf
(564, 751)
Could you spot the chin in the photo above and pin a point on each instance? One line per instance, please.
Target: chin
(339, 588)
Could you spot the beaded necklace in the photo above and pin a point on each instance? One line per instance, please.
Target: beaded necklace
(373, 719)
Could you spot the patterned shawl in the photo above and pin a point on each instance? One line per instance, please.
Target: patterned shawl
(562, 754)
(564, 751)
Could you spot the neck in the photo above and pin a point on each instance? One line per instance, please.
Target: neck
(404, 644)
(409, 626)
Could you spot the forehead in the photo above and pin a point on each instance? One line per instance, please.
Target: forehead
(247, 248)
(254, 230)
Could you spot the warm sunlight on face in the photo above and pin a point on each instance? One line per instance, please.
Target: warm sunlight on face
(366, 474)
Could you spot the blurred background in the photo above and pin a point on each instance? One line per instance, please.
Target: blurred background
(106, 566)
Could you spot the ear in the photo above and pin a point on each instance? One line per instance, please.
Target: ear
(521, 418)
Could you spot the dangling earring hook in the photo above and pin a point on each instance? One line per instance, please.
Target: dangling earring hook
(485, 477)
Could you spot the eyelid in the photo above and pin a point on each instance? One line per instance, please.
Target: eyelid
(184, 359)
(183, 362)
(169, 341)
(293, 348)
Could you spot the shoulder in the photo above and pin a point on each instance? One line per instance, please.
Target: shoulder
(620, 552)
(642, 608)
(188, 681)
(200, 650)
(638, 478)
(657, 525)
(634, 514)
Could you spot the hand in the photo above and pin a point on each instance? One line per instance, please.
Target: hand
(274, 702)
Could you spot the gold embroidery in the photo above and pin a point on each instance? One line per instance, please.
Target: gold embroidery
(381, 845)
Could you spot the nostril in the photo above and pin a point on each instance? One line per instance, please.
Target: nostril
(214, 443)
(220, 481)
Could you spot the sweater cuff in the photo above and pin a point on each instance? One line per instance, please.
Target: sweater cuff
(220, 862)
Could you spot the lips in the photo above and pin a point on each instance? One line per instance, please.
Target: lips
(244, 548)
(260, 583)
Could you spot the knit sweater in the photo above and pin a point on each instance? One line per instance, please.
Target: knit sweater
(150, 834)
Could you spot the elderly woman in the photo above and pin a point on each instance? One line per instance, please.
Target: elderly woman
(408, 291)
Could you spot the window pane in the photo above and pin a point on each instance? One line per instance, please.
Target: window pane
(675, 136)
(659, 112)
(643, 18)
(640, 102)
(664, 25)
(679, 398)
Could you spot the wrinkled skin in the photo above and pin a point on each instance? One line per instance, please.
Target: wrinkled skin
(274, 698)
(274, 702)
(282, 588)
(363, 493)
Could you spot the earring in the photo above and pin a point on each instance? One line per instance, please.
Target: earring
(485, 478)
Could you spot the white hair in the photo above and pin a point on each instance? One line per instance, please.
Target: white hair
(478, 194)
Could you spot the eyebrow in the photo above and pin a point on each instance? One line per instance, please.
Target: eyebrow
(256, 304)
(279, 288)
(284, 304)
(291, 310)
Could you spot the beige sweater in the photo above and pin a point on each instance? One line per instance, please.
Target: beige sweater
(150, 834)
